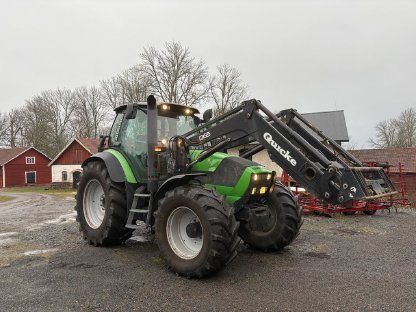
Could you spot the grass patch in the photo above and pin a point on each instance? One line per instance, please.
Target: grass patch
(5, 198)
(61, 193)
(158, 260)
(12, 252)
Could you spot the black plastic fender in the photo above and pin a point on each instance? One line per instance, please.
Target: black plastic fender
(174, 181)
(114, 168)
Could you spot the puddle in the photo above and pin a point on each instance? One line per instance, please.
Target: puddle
(67, 218)
(141, 239)
(63, 219)
(7, 234)
(7, 242)
(40, 251)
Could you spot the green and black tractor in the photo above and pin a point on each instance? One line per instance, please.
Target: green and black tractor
(164, 166)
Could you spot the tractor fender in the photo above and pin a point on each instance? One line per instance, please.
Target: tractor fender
(112, 164)
(174, 181)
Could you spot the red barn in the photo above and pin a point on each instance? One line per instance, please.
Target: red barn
(394, 157)
(23, 166)
(66, 166)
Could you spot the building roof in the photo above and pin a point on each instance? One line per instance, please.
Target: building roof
(8, 154)
(90, 145)
(331, 123)
(394, 156)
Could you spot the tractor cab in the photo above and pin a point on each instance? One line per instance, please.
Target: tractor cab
(129, 133)
(130, 124)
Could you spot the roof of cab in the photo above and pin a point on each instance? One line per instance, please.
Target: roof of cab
(177, 107)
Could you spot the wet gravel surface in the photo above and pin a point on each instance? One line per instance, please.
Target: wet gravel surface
(354, 263)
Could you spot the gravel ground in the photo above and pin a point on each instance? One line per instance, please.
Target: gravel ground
(357, 263)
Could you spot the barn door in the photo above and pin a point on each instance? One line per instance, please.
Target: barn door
(31, 177)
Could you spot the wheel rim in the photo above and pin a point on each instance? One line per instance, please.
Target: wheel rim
(94, 204)
(183, 245)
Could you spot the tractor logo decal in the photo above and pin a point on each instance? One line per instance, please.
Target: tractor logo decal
(204, 136)
(286, 154)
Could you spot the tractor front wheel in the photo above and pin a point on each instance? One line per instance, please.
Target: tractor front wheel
(196, 231)
(101, 207)
(277, 224)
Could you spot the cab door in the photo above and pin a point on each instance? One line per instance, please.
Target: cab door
(129, 136)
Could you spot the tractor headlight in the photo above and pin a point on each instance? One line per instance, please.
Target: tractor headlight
(262, 183)
(261, 178)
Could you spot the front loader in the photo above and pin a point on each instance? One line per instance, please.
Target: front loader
(163, 165)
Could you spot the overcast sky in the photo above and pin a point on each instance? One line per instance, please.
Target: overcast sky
(358, 56)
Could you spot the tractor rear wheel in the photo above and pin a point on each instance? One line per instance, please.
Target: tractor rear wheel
(278, 225)
(101, 207)
(196, 231)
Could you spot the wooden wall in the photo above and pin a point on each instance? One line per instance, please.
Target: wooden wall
(75, 154)
(16, 168)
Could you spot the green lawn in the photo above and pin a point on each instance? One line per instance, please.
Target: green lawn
(4, 198)
(61, 193)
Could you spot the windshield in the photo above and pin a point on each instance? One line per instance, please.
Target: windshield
(168, 127)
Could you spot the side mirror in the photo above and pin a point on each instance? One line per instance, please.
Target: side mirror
(131, 111)
(207, 115)
(197, 121)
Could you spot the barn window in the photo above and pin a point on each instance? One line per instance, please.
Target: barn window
(31, 160)
(64, 176)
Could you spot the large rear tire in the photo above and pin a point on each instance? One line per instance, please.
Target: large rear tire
(101, 207)
(196, 231)
(283, 222)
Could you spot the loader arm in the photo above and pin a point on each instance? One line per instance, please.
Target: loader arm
(328, 172)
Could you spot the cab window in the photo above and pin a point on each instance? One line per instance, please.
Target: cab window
(115, 129)
(133, 134)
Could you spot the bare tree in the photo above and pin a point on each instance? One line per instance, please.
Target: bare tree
(90, 112)
(60, 105)
(174, 75)
(37, 128)
(112, 92)
(406, 124)
(11, 128)
(135, 85)
(396, 132)
(227, 89)
(386, 133)
(4, 128)
(82, 125)
(15, 126)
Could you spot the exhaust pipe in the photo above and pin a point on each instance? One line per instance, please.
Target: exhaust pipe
(152, 174)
